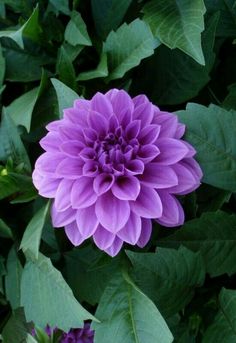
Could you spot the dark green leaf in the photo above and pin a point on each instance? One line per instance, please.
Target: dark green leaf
(122, 56)
(65, 69)
(100, 71)
(128, 316)
(46, 297)
(212, 131)
(168, 276)
(76, 31)
(5, 231)
(61, 5)
(2, 67)
(103, 14)
(16, 329)
(178, 24)
(214, 235)
(230, 101)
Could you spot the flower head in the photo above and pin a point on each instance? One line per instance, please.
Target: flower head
(111, 165)
(84, 335)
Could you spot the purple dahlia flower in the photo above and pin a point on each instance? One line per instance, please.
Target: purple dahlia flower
(111, 165)
(84, 335)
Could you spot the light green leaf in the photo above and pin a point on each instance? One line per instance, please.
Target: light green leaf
(11, 145)
(2, 67)
(223, 328)
(128, 316)
(65, 68)
(168, 276)
(5, 230)
(100, 71)
(65, 95)
(46, 297)
(212, 131)
(178, 24)
(30, 29)
(13, 279)
(214, 235)
(103, 14)
(32, 236)
(61, 5)
(126, 47)
(76, 32)
(30, 339)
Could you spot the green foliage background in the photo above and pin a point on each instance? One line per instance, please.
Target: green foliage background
(181, 54)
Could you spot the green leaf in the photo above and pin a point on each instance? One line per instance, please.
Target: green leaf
(103, 14)
(46, 297)
(5, 230)
(212, 131)
(178, 76)
(210, 199)
(2, 273)
(214, 235)
(30, 339)
(76, 32)
(13, 279)
(65, 68)
(100, 71)
(33, 232)
(11, 145)
(65, 95)
(30, 29)
(128, 316)
(230, 101)
(178, 24)
(61, 5)
(122, 56)
(2, 67)
(21, 109)
(93, 268)
(168, 276)
(16, 329)
(223, 328)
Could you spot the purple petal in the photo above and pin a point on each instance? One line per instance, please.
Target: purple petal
(148, 204)
(60, 219)
(145, 233)
(148, 152)
(90, 135)
(173, 214)
(134, 167)
(72, 148)
(179, 131)
(115, 247)
(113, 123)
(54, 125)
(87, 154)
(126, 188)
(47, 187)
(82, 194)
(144, 112)
(112, 213)
(187, 181)
(71, 132)
(73, 234)
(168, 123)
(157, 176)
(48, 162)
(171, 151)
(149, 134)
(97, 122)
(111, 94)
(70, 168)
(139, 100)
(132, 130)
(101, 104)
(103, 238)
(62, 197)
(130, 233)
(193, 166)
(82, 104)
(87, 221)
(122, 103)
(90, 168)
(51, 142)
(102, 183)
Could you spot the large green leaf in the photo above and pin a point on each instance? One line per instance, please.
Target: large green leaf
(168, 276)
(128, 316)
(65, 68)
(223, 328)
(16, 329)
(30, 29)
(177, 76)
(47, 299)
(32, 235)
(178, 24)
(91, 266)
(11, 145)
(65, 95)
(21, 109)
(13, 279)
(212, 131)
(214, 235)
(76, 31)
(122, 56)
(103, 14)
